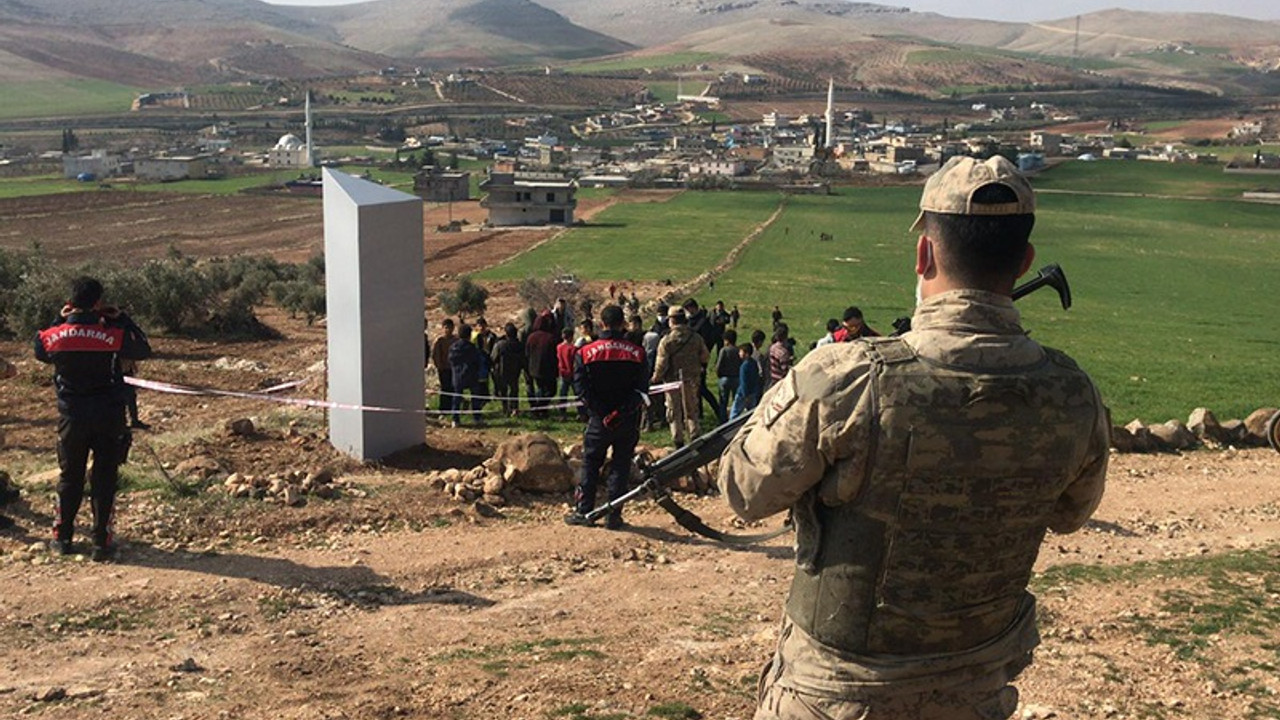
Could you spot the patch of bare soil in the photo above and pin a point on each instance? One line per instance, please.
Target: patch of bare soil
(395, 601)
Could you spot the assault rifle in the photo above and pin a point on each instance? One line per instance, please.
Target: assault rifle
(656, 477)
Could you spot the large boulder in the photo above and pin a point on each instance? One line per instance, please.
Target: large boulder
(534, 462)
(1256, 424)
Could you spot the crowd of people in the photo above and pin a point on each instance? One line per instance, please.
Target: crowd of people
(531, 361)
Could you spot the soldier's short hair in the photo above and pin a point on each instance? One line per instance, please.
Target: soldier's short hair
(981, 249)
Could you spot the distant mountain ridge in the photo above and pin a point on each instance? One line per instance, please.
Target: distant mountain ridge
(145, 42)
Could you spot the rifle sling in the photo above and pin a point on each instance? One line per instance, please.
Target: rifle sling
(693, 523)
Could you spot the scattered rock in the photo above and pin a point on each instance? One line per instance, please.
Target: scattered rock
(1173, 435)
(494, 485)
(1143, 440)
(188, 665)
(1205, 425)
(240, 365)
(47, 477)
(1256, 425)
(1121, 439)
(1235, 431)
(240, 426)
(293, 496)
(50, 694)
(200, 466)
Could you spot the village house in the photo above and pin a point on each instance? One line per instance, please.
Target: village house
(528, 199)
(1046, 142)
(178, 167)
(721, 168)
(97, 164)
(433, 184)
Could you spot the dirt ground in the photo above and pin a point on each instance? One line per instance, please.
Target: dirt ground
(395, 601)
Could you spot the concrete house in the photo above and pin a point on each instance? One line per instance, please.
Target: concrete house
(436, 185)
(528, 199)
(165, 169)
(98, 164)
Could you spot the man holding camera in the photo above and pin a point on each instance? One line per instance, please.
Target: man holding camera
(86, 349)
(610, 376)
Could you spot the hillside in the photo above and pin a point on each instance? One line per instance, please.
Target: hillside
(173, 41)
(486, 32)
(157, 42)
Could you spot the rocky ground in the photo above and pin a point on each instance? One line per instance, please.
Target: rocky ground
(387, 597)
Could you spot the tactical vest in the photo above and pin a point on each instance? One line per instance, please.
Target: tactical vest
(934, 554)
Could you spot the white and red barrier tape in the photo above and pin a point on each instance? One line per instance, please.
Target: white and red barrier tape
(268, 396)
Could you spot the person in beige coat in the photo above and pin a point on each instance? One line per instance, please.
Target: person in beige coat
(682, 355)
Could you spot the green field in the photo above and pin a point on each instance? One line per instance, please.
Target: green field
(1170, 308)
(56, 98)
(1152, 178)
(40, 185)
(677, 239)
(653, 62)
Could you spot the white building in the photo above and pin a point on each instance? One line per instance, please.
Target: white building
(166, 169)
(541, 199)
(98, 164)
(289, 152)
(722, 168)
(293, 152)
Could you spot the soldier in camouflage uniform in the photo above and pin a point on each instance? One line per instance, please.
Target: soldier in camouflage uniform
(922, 472)
(681, 356)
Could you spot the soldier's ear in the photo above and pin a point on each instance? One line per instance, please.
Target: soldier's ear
(924, 257)
(1029, 258)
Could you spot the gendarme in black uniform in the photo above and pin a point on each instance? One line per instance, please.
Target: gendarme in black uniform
(610, 376)
(85, 350)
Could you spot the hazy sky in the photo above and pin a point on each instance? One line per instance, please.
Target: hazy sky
(1022, 10)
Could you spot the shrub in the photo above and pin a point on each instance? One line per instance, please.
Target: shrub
(175, 294)
(468, 298)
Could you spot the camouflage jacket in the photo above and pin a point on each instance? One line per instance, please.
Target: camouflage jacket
(680, 349)
(811, 445)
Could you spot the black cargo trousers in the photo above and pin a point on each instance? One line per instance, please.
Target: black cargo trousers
(105, 435)
(621, 434)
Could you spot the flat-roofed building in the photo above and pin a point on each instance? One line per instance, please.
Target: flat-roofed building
(528, 199)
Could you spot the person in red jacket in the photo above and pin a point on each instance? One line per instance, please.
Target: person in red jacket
(86, 349)
(564, 367)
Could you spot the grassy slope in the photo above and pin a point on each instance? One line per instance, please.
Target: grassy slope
(676, 239)
(1168, 310)
(1153, 178)
(61, 97)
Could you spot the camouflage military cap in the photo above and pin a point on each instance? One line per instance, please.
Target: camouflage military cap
(951, 189)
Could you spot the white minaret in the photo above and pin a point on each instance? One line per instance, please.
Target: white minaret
(831, 113)
(311, 156)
